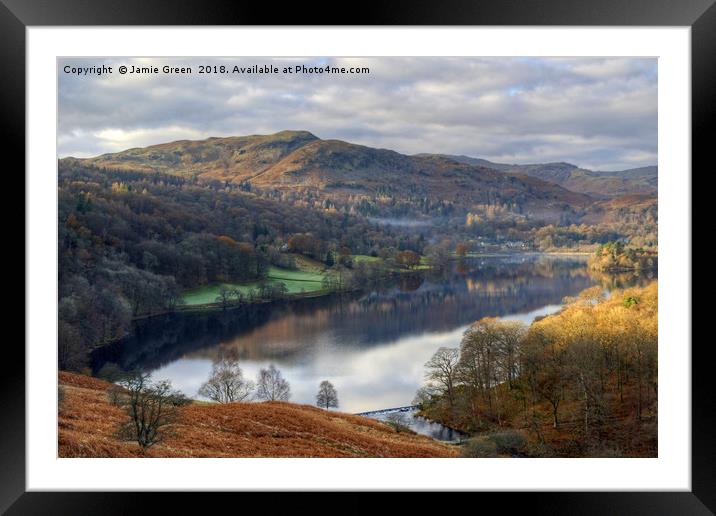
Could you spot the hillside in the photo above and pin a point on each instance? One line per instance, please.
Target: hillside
(234, 158)
(586, 383)
(642, 180)
(87, 423)
(622, 208)
(144, 230)
(340, 172)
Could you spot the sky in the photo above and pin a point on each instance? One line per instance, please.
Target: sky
(597, 113)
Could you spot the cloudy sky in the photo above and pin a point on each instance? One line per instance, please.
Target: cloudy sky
(598, 113)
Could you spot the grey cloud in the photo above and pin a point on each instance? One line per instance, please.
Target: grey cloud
(598, 113)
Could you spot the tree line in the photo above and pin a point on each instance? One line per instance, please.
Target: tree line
(579, 382)
(616, 256)
(129, 242)
(153, 407)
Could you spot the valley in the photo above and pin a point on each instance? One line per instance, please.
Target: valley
(330, 260)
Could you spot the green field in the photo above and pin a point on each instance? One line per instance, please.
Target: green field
(358, 258)
(296, 281)
(307, 279)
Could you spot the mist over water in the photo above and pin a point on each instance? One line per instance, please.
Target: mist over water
(400, 222)
(372, 346)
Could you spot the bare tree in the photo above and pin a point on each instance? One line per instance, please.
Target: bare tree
(272, 386)
(338, 279)
(151, 406)
(509, 335)
(225, 296)
(399, 421)
(489, 355)
(441, 369)
(425, 395)
(438, 255)
(226, 383)
(545, 369)
(327, 396)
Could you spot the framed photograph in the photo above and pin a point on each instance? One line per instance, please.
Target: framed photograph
(423, 249)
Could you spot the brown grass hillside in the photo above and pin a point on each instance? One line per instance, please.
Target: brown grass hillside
(338, 170)
(87, 423)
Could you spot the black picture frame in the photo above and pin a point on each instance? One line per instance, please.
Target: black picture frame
(16, 15)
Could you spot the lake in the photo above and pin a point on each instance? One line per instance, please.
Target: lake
(372, 346)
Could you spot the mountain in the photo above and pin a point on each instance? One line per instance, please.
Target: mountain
(338, 172)
(234, 158)
(599, 184)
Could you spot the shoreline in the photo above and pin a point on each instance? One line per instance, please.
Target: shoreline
(322, 293)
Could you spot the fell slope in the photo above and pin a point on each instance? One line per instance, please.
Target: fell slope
(339, 171)
(87, 423)
(345, 169)
(234, 158)
(642, 180)
(623, 207)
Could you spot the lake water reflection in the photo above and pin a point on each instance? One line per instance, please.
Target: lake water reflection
(371, 346)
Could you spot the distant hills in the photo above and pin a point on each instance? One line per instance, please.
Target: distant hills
(235, 158)
(341, 172)
(642, 180)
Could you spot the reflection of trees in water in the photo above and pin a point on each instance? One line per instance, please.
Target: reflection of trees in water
(159, 340)
(253, 331)
(444, 307)
(622, 280)
(416, 304)
(410, 282)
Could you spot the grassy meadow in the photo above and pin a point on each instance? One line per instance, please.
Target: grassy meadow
(296, 281)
